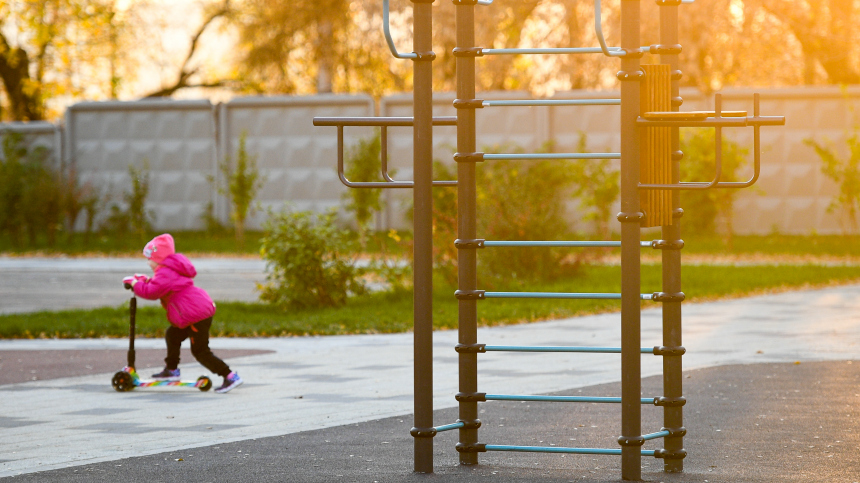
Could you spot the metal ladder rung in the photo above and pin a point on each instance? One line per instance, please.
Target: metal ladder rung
(553, 102)
(573, 399)
(659, 434)
(590, 350)
(560, 295)
(449, 427)
(573, 244)
(554, 449)
(518, 156)
(614, 51)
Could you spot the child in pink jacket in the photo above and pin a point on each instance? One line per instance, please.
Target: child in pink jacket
(189, 309)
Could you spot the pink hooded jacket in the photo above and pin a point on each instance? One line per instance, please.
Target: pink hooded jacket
(172, 283)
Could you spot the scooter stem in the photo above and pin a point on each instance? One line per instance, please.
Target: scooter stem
(132, 307)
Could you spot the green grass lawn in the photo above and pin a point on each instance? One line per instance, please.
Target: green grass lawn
(386, 313)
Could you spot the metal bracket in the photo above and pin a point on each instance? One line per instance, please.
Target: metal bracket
(386, 29)
(718, 122)
(383, 123)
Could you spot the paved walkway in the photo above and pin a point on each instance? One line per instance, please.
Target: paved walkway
(314, 383)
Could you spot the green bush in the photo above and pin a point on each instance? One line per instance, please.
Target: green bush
(133, 218)
(309, 261)
(597, 186)
(703, 208)
(517, 200)
(363, 163)
(36, 200)
(846, 173)
(242, 182)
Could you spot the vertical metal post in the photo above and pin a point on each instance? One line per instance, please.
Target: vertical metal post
(423, 246)
(466, 229)
(673, 417)
(631, 426)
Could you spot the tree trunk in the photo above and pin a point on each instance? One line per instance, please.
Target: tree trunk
(22, 92)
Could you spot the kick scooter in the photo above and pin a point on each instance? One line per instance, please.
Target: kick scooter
(127, 379)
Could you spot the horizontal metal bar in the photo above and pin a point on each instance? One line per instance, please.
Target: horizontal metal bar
(517, 156)
(555, 449)
(553, 102)
(378, 121)
(659, 434)
(572, 244)
(550, 51)
(579, 399)
(449, 427)
(708, 122)
(559, 295)
(594, 350)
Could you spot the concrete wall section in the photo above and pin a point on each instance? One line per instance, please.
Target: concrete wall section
(183, 142)
(297, 159)
(174, 141)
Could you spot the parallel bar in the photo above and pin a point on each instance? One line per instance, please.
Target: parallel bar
(579, 399)
(560, 295)
(517, 156)
(553, 102)
(554, 449)
(449, 427)
(659, 434)
(591, 350)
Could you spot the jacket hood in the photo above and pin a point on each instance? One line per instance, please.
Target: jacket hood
(180, 264)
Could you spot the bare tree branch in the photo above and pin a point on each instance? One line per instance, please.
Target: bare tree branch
(184, 72)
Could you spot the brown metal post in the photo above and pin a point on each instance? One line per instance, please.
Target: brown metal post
(423, 246)
(673, 417)
(631, 425)
(466, 230)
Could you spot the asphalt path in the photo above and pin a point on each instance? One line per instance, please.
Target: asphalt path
(787, 413)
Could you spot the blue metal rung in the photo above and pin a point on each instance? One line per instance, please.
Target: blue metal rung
(553, 102)
(559, 295)
(596, 350)
(449, 427)
(554, 449)
(659, 434)
(573, 244)
(518, 156)
(577, 399)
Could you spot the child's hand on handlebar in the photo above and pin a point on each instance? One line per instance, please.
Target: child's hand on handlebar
(129, 282)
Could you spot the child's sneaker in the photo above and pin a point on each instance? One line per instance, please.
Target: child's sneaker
(231, 381)
(167, 375)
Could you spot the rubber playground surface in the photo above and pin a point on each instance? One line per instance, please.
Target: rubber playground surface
(772, 387)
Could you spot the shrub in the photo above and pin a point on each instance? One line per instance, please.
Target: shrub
(133, 219)
(597, 186)
(36, 199)
(363, 163)
(706, 207)
(309, 261)
(241, 185)
(517, 200)
(846, 173)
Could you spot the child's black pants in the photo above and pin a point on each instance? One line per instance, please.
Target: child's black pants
(199, 335)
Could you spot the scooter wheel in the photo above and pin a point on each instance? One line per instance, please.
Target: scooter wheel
(207, 383)
(122, 381)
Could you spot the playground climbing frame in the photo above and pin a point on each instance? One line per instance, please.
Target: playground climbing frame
(650, 158)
